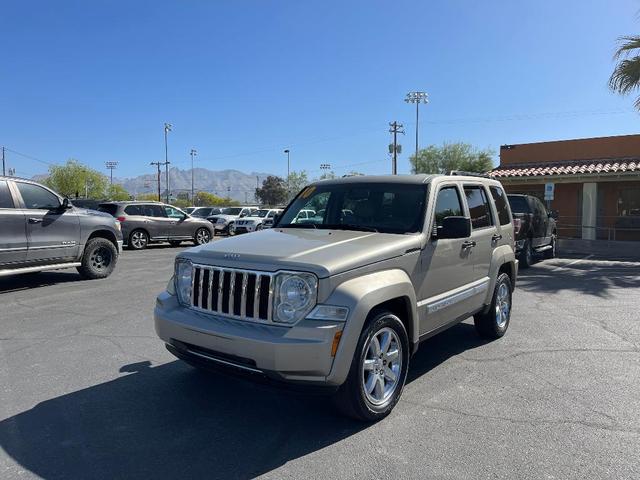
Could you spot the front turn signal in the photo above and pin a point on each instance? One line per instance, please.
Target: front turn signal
(336, 342)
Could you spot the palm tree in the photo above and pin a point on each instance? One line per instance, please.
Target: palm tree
(626, 76)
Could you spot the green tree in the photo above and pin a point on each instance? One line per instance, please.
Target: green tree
(117, 193)
(297, 181)
(147, 197)
(452, 156)
(206, 199)
(328, 175)
(75, 179)
(626, 75)
(273, 191)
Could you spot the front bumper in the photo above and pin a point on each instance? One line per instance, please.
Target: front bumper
(300, 354)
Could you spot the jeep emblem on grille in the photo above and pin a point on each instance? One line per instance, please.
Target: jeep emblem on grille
(232, 256)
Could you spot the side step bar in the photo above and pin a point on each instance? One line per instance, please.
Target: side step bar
(39, 268)
(542, 249)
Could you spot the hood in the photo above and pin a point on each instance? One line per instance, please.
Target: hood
(222, 215)
(323, 252)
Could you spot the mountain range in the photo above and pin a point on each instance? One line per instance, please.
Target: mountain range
(232, 183)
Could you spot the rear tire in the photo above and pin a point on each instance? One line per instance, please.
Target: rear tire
(494, 322)
(99, 259)
(378, 370)
(202, 236)
(526, 256)
(138, 240)
(551, 253)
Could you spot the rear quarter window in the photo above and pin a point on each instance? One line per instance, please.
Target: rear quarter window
(6, 201)
(519, 204)
(502, 206)
(108, 208)
(132, 210)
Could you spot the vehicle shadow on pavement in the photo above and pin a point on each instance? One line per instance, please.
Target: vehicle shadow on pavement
(25, 281)
(172, 421)
(588, 277)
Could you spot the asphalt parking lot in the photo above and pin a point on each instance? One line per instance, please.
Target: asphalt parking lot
(89, 392)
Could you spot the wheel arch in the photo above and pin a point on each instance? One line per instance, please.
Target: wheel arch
(390, 290)
(106, 234)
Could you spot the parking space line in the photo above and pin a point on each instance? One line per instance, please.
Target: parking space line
(562, 267)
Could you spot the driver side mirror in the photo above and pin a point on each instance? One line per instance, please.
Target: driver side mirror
(66, 204)
(453, 227)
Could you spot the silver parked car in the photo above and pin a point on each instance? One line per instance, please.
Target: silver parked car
(147, 222)
(40, 230)
(342, 300)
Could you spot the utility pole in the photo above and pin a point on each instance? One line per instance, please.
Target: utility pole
(193, 154)
(394, 148)
(324, 167)
(111, 166)
(3, 165)
(158, 165)
(417, 98)
(167, 129)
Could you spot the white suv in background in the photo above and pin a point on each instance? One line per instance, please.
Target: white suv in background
(256, 221)
(224, 221)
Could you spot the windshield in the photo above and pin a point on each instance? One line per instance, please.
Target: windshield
(377, 207)
(232, 210)
(518, 204)
(199, 212)
(190, 210)
(261, 213)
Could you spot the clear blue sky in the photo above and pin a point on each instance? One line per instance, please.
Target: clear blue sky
(241, 80)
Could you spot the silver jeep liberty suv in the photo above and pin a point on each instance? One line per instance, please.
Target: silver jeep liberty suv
(341, 300)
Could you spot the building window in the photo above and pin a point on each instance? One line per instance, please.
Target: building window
(629, 202)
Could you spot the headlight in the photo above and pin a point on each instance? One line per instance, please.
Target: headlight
(221, 220)
(183, 274)
(295, 296)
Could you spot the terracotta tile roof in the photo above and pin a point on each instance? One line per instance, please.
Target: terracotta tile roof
(574, 167)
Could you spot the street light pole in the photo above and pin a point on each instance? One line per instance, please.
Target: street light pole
(111, 166)
(193, 154)
(417, 98)
(167, 129)
(288, 173)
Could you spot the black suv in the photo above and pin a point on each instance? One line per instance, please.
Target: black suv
(147, 222)
(40, 230)
(535, 228)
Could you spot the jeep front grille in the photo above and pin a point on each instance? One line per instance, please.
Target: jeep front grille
(232, 292)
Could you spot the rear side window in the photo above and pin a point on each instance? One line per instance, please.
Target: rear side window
(36, 197)
(479, 208)
(154, 211)
(502, 206)
(109, 208)
(448, 204)
(5, 195)
(132, 210)
(519, 204)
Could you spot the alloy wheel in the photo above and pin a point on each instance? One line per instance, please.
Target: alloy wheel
(203, 236)
(503, 305)
(100, 258)
(381, 366)
(139, 239)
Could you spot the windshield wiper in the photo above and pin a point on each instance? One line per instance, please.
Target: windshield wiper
(348, 226)
(298, 225)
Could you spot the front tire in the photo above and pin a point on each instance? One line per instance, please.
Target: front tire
(99, 259)
(494, 322)
(378, 370)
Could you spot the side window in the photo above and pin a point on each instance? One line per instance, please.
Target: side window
(502, 206)
(37, 197)
(448, 204)
(133, 210)
(173, 212)
(155, 211)
(479, 208)
(5, 196)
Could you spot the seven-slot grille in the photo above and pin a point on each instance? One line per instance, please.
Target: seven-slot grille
(231, 292)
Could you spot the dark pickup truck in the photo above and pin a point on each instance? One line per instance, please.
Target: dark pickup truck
(535, 229)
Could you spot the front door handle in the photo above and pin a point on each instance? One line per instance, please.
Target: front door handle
(35, 220)
(496, 237)
(468, 244)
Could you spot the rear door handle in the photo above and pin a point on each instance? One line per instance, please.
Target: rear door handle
(35, 220)
(468, 244)
(496, 237)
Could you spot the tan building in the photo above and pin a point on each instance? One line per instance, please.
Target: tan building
(596, 183)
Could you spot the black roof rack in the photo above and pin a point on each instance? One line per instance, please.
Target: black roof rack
(468, 174)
